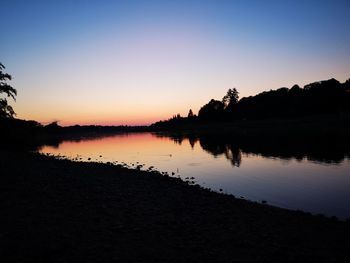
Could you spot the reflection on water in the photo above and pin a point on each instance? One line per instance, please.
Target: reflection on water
(325, 150)
(312, 176)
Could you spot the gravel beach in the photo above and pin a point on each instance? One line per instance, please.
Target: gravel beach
(63, 211)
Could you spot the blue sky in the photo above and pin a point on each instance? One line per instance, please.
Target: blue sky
(135, 62)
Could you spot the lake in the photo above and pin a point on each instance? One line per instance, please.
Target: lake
(315, 180)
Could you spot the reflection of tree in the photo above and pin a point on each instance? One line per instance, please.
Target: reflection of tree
(318, 149)
(234, 155)
(192, 140)
(211, 146)
(178, 140)
(216, 148)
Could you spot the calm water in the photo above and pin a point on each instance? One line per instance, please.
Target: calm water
(307, 182)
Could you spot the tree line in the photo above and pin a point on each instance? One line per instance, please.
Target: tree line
(321, 97)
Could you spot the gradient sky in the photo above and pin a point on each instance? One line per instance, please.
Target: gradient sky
(136, 62)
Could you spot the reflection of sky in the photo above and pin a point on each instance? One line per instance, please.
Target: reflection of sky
(292, 184)
(116, 62)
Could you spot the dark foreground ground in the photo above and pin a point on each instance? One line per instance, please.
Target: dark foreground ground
(62, 211)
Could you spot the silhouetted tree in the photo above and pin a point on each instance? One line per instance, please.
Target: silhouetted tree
(295, 89)
(190, 114)
(212, 111)
(321, 97)
(231, 97)
(346, 85)
(6, 111)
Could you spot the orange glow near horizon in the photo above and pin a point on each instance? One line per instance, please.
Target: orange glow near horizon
(100, 121)
(110, 147)
(103, 119)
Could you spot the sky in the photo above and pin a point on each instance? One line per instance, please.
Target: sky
(137, 62)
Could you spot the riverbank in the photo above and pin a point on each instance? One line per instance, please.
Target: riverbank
(306, 127)
(63, 211)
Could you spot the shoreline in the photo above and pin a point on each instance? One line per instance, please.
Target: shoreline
(192, 181)
(59, 210)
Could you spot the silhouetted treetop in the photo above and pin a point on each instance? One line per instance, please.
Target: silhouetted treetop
(231, 97)
(6, 111)
(212, 111)
(347, 84)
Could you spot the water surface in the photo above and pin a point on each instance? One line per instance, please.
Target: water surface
(311, 181)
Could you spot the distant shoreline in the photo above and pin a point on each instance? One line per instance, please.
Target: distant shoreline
(310, 132)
